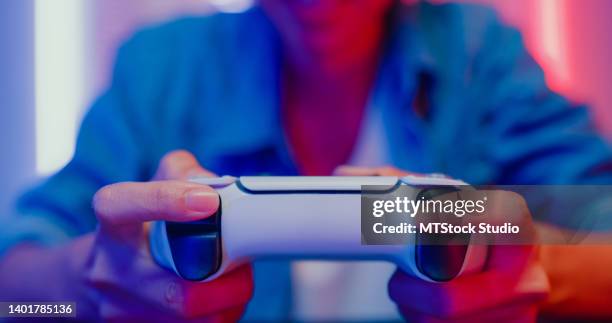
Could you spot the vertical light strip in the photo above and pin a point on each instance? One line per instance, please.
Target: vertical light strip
(60, 79)
(552, 15)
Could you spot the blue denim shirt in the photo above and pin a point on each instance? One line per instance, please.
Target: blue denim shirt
(211, 85)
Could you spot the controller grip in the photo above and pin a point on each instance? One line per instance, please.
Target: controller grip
(196, 250)
(440, 257)
(194, 247)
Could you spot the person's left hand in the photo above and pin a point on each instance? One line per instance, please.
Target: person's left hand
(508, 289)
(127, 283)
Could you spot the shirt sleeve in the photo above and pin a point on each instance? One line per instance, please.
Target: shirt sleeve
(533, 135)
(110, 147)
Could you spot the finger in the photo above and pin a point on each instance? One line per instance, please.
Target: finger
(180, 164)
(391, 171)
(510, 273)
(501, 208)
(346, 170)
(115, 280)
(515, 313)
(188, 299)
(510, 258)
(230, 315)
(470, 293)
(122, 307)
(133, 202)
(229, 291)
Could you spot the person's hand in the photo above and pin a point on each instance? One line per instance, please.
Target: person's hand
(508, 289)
(127, 282)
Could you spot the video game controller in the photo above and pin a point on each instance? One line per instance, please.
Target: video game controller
(301, 217)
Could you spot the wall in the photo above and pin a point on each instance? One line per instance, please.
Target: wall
(16, 98)
(570, 38)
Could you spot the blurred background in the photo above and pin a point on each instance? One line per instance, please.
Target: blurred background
(57, 55)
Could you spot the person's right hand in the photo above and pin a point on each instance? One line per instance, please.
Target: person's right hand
(127, 282)
(508, 289)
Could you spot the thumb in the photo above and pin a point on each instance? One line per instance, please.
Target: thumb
(346, 170)
(180, 165)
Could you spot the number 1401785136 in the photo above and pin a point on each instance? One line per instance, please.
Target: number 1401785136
(37, 309)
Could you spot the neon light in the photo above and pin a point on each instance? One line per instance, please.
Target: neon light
(59, 79)
(552, 32)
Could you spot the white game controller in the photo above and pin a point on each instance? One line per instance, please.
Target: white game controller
(300, 217)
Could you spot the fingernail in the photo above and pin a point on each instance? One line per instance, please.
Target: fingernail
(198, 172)
(201, 201)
